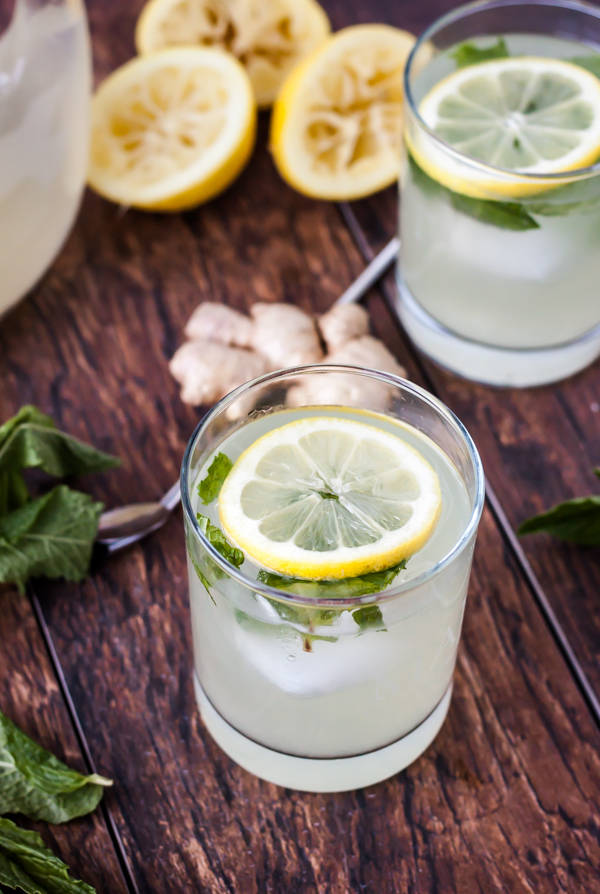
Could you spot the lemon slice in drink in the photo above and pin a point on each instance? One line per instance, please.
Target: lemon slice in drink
(524, 114)
(172, 130)
(327, 498)
(337, 122)
(269, 37)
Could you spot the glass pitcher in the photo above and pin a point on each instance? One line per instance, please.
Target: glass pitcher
(45, 84)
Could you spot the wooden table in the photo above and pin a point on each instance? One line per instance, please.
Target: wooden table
(507, 798)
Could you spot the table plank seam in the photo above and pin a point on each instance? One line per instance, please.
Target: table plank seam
(115, 836)
(506, 531)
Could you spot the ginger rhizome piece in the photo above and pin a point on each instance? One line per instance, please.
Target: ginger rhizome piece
(343, 323)
(217, 322)
(207, 371)
(285, 335)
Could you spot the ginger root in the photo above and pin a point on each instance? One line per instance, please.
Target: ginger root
(217, 322)
(285, 335)
(343, 323)
(207, 371)
(343, 390)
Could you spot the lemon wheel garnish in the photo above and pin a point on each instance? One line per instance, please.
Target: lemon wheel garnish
(327, 498)
(337, 122)
(172, 130)
(269, 37)
(526, 115)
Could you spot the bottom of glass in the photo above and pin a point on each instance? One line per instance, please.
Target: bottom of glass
(321, 774)
(517, 368)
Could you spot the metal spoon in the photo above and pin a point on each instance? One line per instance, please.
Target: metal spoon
(124, 525)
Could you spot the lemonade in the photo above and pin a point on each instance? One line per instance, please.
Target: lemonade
(332, 685)
(44, 93)
(498, 275)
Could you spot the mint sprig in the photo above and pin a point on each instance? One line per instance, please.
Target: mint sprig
(577, 521)
(210, 486)
(35, 783)
(27, 864)
(469, 54)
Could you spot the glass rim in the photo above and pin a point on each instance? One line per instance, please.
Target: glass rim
(462, 12)
(391, 592)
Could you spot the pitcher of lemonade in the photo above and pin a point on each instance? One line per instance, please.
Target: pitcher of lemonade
(45, 84)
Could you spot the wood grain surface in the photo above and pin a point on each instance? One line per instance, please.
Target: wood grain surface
(508, 797)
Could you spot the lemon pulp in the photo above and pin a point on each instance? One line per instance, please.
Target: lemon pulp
(337, 122)
(171, 130)
(329, 498)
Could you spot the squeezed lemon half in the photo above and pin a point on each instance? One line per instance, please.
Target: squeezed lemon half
(269, 37)
(171, 130)
(337, 122)
(329, 498)
(524, 114)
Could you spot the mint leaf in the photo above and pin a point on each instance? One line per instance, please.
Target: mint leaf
(27, 864)
(469, 54)
(575, 520)
(363, 585)
(210, 487)
(35, 783)
(52, 536)
(31, 440)
(591, 63)
(505, 215)
(220, 542)
(369, 617)
(13, 491)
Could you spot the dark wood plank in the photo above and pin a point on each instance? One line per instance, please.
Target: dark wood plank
(31, 696)
(507, 797)
(539, 446)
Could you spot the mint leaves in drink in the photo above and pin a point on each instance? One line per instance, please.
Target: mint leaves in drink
(577, 521)
(28, 865)
(505, 215)
(469, 54)
(210, 486)
(51, 535)
(217, 538)
(35, 783)
(367, 617)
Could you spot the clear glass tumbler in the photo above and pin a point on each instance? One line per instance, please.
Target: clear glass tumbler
(330, 692)
(498, 273)
(45, 84)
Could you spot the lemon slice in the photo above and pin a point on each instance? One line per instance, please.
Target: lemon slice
(269, 37)
(525, 114)
(172, 130)
(327, 498)
(337, 122)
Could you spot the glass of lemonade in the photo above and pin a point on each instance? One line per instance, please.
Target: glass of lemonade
(45, 83)
(500, 209)
(330, 535)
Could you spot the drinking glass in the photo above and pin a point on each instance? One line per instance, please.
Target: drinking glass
(503, 288)
(330, 693)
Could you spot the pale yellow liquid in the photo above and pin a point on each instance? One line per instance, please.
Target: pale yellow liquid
(361, 692)
(44, 96)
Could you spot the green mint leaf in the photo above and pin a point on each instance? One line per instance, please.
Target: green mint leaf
(35, 783)
(364, 585)
(575, 520)
(13, 491)
(591, 63)
(52, 536)
(220, 542)
(31, 440)
(597, 472)
(210, 487)
(28, 865)
(505, 215)
(369, 617)
(469, 54)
